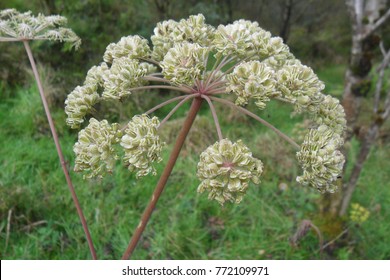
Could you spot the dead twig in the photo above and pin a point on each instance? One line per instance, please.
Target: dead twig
(30, 226)
(335, 239)
(8, 229)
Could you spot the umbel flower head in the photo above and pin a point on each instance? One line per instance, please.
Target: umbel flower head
(169, 33)
(252, 79)
(142, 145)
(298, 84)
(331, 113)
(95, 150)
(199, 61)
(14, 24)
(184, 63)
(125, 73)
(321, 161)
(226, 169)
(130, 47)
(80, 102)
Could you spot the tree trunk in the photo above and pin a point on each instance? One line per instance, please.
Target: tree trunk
(366, 19)
(364, 15)
(286, 17)
(357, 169)
(380, 116)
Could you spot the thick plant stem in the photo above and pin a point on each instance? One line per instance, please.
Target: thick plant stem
(197, 102)
(59, 151)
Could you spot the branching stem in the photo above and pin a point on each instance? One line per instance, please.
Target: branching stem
(217, 91)
(176, 108)
(209, 83)
(233, 66)
(213, 69)
(169, 101)
(215, 117)
(256, 117)
(161, 86)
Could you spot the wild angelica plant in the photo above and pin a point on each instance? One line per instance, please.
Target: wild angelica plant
(24, 27)
(249, 63)
(16, 26)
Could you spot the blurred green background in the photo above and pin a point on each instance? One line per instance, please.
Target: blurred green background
(37, 217)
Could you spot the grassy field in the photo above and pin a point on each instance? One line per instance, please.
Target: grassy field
(38, 219)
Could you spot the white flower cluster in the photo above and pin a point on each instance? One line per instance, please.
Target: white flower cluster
(184, 63)
(113, 79)
(142, 145)
(236, 38)
(245, 39)
(331, 113)
(130, 47)
(252, 79)
(96, 148)
(298, 84)
(96, 74)
(125, 73)
(319, 157)
(95, 152)
(28, 27)
(170, 32)
(226, 169)
(322, 163)
(79, 103)
(81, 100)
(248, 62)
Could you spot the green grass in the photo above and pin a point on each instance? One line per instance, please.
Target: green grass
(333, 77)
(185, 225)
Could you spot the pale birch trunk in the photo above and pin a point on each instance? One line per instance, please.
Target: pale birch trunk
(365, 19)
